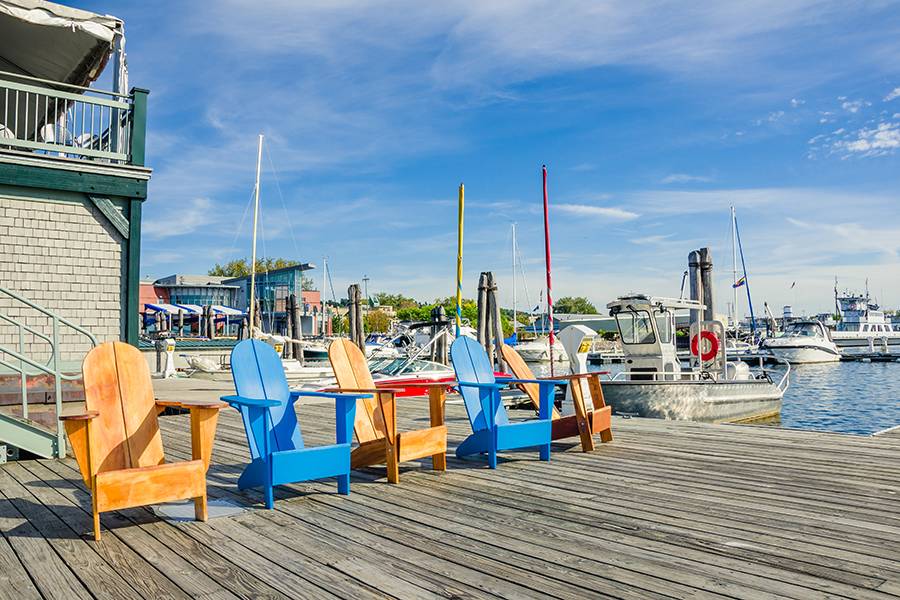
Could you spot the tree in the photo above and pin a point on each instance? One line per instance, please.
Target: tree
(398, 301)
(377, 320)
(574, 305)
(241, 267)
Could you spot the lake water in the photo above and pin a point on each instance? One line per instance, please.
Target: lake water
(846, 397)
(849, 397)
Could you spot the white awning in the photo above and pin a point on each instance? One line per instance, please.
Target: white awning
(226, 310)
(56, 42)
(165, 308)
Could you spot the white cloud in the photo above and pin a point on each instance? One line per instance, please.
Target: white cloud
(606, 212)
(189, 217)
(649, 240)
(874, 141)
(685, 178)
(853, 106)
(795, 102)
(893, 94)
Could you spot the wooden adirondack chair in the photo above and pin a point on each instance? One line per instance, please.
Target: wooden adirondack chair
(492, 430)
(117, 444)
(584, 422)
(277, 453)
(376, 417)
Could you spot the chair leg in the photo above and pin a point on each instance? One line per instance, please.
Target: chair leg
(606, 435)
(439, 461)
(392, 452)
(545, 452)
(270, 496)
(96, 525)
(201, 512)
(95, 511)
(492, 457)
(344, 484)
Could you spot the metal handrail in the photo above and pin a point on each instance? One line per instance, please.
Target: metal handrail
(55, 370)
(52, 83)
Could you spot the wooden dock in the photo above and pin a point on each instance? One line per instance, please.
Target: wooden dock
(668, 510)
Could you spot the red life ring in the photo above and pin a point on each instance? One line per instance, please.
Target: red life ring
(713, 342)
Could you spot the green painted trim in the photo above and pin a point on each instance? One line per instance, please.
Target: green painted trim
(105, 206)
(72, 181)
(132, 274)
(138, 125)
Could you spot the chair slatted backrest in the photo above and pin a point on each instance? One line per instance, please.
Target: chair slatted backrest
(471, 364)
(352, 372)
(117, 384)
(521, 370)
(258, 374)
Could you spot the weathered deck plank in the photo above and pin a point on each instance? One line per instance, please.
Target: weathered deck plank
(666, 510)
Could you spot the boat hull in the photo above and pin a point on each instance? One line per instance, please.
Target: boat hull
(804, 354)
(707, 401)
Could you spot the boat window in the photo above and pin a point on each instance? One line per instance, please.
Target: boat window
(865, 328)
(802, 330)
(635, 327)
(664, 327)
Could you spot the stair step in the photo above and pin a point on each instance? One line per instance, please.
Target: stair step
(28, 435)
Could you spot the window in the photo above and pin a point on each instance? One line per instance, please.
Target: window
(664, 327)
(635, 327)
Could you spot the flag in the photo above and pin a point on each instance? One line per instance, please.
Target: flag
(739, 282)
(793, 284)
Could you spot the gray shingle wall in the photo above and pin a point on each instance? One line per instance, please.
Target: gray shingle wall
(65, 256)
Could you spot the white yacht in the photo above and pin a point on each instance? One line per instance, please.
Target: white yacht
(862, 323)
(804, 341)
(538, 350)
(656, 384)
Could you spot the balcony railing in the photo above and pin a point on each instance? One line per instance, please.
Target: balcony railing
(70, 121)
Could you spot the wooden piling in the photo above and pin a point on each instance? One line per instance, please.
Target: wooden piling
(496, 323)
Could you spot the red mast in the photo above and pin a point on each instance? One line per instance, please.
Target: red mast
(547, 260)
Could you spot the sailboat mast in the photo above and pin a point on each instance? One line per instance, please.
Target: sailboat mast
(459, 258)
(515, 326)
(322, 293)
(253, 252)
(547, 263)
(734, 271)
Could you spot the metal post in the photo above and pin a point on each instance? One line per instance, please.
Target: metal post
(706, 277)
(22, 377)
(57, 389)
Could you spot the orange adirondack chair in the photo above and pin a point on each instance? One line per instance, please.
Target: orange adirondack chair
(117, 443)
(584, 422)
(376, 417)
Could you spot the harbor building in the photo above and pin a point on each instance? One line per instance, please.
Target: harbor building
(73, 177)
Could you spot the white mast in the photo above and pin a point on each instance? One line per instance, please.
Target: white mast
(734, 271)
(253, 253)
(515, 327)
(322, 293)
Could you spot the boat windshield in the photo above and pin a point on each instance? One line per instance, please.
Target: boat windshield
(802, 330)
(635, 327)
(402, 366)
(664, 326)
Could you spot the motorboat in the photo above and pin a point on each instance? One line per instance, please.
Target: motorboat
(805, 341)
(538, 350)
(710, 388)
(862, 322)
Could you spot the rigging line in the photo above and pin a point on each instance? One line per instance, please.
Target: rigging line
(283, 205)
(524, 278)
(331, 285)
(240, 226)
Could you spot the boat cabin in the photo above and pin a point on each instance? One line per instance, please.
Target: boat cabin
(646, 327)
(806, 329)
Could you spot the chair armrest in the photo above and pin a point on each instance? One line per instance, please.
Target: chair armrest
(539, 381)
(332, 395)
(238, 401)
(475, 384)
(367, 391)
(85, 416)
(190, 404)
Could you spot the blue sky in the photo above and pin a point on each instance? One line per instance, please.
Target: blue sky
(653, 118)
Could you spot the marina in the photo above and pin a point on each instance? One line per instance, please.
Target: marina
(283, 370)
(824, 519)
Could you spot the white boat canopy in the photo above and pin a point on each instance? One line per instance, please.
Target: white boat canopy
(174, 309)
(51, 41)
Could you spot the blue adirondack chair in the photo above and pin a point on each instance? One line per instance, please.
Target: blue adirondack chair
(492, 430)
(277, 454)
